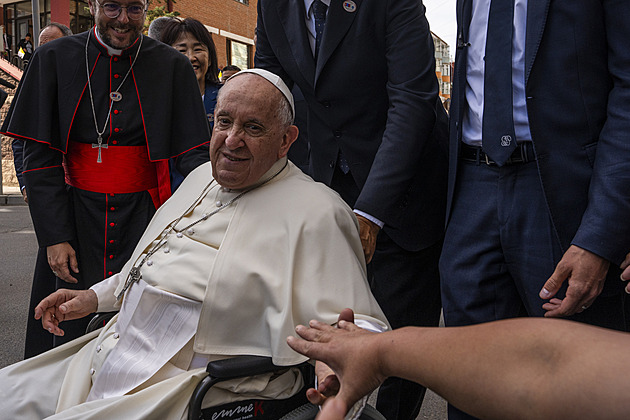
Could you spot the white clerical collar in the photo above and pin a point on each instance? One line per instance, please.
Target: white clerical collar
(110, 50)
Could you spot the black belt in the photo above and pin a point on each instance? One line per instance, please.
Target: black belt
(524, 153)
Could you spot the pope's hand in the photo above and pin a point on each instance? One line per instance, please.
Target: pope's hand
(65, 305)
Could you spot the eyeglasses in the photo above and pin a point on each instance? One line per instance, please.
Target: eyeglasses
(113, 10)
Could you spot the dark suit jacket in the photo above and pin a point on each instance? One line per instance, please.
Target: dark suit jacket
(577, 63)
(372, 95)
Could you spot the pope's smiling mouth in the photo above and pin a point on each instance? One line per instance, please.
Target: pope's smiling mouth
(234, 159)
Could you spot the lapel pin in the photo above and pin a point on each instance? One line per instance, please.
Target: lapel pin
(349, 6)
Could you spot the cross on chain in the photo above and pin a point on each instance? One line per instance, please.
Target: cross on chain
(134, 276)
(100, 146)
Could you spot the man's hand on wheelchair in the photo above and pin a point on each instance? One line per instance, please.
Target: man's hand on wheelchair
(64, 305)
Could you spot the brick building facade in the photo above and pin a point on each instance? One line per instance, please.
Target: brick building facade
(232, 24)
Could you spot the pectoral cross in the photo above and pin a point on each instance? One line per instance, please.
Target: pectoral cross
(134, 276)
(100, 146)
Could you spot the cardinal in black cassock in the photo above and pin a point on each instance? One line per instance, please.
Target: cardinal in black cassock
(99, 194)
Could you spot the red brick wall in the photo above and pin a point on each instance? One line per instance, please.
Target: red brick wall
(225, 15)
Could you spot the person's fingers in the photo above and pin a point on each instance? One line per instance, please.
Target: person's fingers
(74, 264)
(553, 284)
(348, 326)
(315, 397)
(50, 322)
(48, 302)
(368, 231)
(346, 315)
(568, 306)
(329, 386)
(71, 306)
(625, 264)
(62, 258)
(320, 326)
(303, 346)
(333, 409)
(64, 274)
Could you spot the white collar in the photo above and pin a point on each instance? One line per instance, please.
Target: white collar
(110, 50)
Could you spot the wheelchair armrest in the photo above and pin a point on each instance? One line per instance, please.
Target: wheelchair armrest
(99, 320)
(241, 366)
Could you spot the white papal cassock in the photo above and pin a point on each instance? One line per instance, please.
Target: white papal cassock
(234, 284)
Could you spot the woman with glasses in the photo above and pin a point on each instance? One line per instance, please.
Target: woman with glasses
(191, 38)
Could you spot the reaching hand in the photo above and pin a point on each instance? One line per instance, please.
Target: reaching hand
(585, 273)
(349, 351)
(368, 231)
(328, 383)
(60, 257)
(334, 409)
(65, 305)
(625, 276)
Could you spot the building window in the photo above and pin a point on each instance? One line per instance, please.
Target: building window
(80, 17)
(238, 54)
(18, 21)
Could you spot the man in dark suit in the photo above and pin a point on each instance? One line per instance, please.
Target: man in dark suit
(367, 72)
(539, 166)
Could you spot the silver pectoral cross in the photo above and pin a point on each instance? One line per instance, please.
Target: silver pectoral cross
(134, 276)
(100, 146)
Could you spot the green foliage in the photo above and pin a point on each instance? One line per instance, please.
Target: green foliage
(156, 12)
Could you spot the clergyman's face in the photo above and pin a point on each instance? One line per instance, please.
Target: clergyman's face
(248, 137)
(119, 32)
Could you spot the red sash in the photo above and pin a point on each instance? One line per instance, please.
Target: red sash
(124, 169)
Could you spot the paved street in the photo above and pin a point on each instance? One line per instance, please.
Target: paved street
(18, 249)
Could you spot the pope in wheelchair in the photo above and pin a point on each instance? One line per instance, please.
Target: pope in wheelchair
(246, 249)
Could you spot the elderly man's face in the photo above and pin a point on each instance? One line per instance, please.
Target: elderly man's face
(49, 34)
(248, 137)
(119, 32)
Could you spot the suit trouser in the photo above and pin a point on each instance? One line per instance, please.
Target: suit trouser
(406, 285)
(500, 248)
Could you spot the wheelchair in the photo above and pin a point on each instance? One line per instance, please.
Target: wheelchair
(296, 407)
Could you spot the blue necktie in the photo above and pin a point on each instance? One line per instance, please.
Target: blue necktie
(319, 13)
(499, 140)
